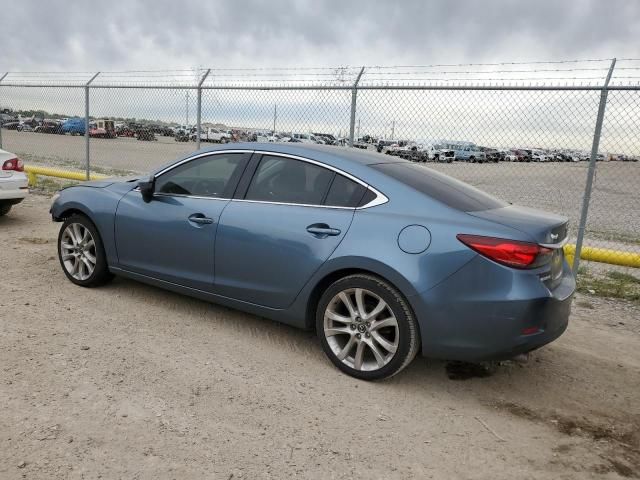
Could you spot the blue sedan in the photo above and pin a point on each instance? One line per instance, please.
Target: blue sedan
(384, 258)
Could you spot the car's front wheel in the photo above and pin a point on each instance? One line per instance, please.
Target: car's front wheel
(81, 252)
(366, 327)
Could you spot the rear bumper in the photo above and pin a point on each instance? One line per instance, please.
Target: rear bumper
(13, 189)
(489, 312)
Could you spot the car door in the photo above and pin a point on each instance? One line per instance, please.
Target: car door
(288, 221)
(172, 237)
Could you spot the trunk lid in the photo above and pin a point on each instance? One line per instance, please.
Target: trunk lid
(543, 227)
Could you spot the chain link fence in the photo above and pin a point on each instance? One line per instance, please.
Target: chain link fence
(522, 131)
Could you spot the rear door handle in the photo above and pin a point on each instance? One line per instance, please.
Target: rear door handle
(322, 230)
(200, 219)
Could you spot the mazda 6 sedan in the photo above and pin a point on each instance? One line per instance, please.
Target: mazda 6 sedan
(383, 257)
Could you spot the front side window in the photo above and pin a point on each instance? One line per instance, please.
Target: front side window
(286, 180)
(212, 176)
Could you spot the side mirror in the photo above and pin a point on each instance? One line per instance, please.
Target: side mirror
(146, 189)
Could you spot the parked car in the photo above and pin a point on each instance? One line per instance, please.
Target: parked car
(13, 125)
(13, 182)
(539, 156)
(146, 135)
(466, 151)
(74, 126)
(491, 154)
(102, 129)
(212, 135)
(305, 138)
(181, 136)
(439, 153)
(510, 156)
(49, 126)
(384, 257)
(25, 127)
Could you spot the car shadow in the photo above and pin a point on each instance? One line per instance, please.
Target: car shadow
(12, 220)
(422, 371)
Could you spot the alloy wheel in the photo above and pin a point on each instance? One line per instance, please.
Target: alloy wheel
(361, 329)
(78, 251)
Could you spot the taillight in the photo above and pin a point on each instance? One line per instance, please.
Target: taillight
(13, 164)
(511, 253)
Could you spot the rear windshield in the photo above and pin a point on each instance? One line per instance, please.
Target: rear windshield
(445, 189)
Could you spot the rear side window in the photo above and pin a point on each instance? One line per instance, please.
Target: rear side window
(344, 192)
(212, 176)
(440, 187)
(286, 180)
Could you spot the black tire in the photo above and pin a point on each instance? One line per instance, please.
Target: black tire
(407, 328)
(4, 209)
(101, 273)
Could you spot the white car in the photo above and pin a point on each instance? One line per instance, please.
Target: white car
(13, 182)
(213, 135)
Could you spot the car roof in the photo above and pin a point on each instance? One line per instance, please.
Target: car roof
(329, 154)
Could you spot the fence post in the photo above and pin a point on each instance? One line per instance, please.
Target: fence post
(2, 78)
(354, 96)
(86, 124)
(592, 168)
(199, 112)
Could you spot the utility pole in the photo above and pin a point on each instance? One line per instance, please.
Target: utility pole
(275, 116)
(354, 96)
(187, 108)
(358, 137)
(393, 130)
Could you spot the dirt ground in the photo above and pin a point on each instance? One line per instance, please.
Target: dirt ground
(130, 381)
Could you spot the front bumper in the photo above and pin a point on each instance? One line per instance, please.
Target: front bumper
(489, 312)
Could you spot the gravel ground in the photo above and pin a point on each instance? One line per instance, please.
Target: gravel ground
(557, 187)
(129, 381)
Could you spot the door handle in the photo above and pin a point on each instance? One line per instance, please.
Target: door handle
(322, 230)
(200, 219)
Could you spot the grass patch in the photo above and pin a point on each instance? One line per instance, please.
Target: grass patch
(623, 277)
(614, 236)
(612, 284)
(50, 185)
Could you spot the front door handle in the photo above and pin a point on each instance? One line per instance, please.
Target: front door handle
(200, 219)
(322, 230)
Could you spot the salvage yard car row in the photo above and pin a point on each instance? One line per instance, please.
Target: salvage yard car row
(418, 151)
(448, 151)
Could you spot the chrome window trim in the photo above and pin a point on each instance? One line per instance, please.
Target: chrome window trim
(379, 200)
(195, 157)
(200, 197)
(182, 195)
(292, 204)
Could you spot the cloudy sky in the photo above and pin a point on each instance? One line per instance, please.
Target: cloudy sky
(120, 35)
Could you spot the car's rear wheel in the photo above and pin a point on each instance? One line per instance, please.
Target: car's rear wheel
(5, 208)
(366, 327)
(81, 252)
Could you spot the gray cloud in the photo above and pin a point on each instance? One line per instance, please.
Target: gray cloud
(61, 35)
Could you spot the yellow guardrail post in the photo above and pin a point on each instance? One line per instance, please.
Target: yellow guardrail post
(33, 172)
(603, 255)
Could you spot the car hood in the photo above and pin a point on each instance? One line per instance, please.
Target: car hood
(105, 182)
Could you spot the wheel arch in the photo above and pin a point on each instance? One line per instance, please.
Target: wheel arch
(390, 276)
(67, 212)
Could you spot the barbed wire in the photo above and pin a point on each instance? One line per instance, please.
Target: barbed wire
(542, 72)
